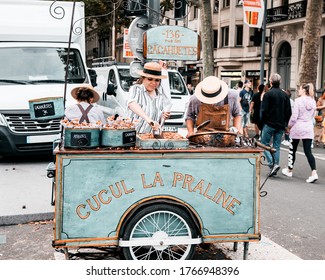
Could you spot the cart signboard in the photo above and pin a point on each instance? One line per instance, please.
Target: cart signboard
(171, 43)
(253, 12)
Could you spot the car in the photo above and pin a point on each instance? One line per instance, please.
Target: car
(114, 82)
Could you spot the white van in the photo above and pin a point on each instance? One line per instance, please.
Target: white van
(34, 38)
(114, 81)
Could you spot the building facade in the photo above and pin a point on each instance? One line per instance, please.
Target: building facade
(237, 47)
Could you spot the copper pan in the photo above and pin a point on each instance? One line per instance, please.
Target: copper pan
(214, 138)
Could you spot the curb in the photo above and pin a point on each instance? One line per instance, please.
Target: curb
(26, 218)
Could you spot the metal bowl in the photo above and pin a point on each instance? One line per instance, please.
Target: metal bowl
(215, 138)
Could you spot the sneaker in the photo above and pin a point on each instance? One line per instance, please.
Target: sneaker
(312, 179)
(287, 172)
(285, 143)
(274, 170)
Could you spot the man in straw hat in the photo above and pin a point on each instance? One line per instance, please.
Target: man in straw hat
(214, 102)
(84, 110)
(147, 103)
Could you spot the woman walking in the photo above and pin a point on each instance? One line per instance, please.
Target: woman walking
(301, 127)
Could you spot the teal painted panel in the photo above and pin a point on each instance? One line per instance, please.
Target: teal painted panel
(118, 137)
(96, 192)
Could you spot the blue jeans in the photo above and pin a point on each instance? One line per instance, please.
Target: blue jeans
(267, 134)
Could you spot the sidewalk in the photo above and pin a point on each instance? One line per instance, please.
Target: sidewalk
(24, 196)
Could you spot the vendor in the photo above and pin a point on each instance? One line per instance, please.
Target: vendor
(147, 103)
(84, 110)
(213, 103)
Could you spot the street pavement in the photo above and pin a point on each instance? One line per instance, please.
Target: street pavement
(26, 222)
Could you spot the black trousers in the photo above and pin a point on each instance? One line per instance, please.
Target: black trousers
(307, 150)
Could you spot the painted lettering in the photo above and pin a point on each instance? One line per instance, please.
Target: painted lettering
(158, 179)
(177, 177)
(101, 199)
(231, 205)
(91, 205)
(79, 213)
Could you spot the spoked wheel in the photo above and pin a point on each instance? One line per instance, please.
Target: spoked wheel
(160, 232)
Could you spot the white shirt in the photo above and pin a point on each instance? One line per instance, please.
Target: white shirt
(153, 107)
(94, 115)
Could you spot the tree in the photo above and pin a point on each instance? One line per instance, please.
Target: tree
(206, 36)
(311, 41)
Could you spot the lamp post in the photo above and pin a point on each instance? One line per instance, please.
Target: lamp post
(113, 34)
(263, 44)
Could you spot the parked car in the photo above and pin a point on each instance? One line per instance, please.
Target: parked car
(114, 81)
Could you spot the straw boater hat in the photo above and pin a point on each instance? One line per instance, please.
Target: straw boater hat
(211, 90)
(152, 70)
(74, 92)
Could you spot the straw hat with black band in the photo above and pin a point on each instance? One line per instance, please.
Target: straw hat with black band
(211, 90)
(152, 70)
(74, 92)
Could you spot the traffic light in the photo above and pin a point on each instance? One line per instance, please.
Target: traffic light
(179, 9)
(257, 37)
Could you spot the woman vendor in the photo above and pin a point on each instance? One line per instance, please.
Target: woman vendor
(147, 102)
(84, 110)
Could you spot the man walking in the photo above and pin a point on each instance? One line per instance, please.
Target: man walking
(275, 114)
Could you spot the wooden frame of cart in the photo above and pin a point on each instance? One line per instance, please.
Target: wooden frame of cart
(157, 204)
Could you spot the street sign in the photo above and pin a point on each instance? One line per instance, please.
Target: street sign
(171, 43)
(135, 37)
(127, 53)
(253, 12)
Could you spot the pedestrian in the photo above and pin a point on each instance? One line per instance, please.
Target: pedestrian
(84, 110)
(301, 128)
(213, 101)
(254, 110)
(275, 115)
(286, 141)
(245, 97)
(240, 85)
(147, 103)
(320, 120)
(190, 88)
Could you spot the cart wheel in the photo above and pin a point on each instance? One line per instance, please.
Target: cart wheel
(160, 222)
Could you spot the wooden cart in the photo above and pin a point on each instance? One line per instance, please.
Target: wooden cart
(156, 204)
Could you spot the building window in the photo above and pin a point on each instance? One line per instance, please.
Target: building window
(225, 36)
(216, 6)
(226, 3)
(239, 35)
(215, 39)
(195, 12)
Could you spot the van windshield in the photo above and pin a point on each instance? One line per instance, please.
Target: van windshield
(176, 82)
(26, 65)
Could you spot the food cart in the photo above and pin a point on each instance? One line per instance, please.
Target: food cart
(158, 202)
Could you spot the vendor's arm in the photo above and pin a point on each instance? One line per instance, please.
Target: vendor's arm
(191, 114)
(136, 108)
(190, 127)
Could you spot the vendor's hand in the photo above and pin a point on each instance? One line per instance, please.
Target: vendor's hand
(166, 115)
(189, 134)
(154, 125)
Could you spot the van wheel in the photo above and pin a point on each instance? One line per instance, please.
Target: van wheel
(155, 225)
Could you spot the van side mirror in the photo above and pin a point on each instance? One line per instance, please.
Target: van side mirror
(93, 77)
(111, 89)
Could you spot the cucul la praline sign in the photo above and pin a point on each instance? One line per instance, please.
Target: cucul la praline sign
(171, 43)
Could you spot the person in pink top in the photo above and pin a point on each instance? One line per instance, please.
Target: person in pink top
(301, 127)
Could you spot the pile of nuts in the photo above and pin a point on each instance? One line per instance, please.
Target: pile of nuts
(114, 122)
(74, 123)
(165, 135)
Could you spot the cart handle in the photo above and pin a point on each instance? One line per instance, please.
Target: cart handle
(268, 148)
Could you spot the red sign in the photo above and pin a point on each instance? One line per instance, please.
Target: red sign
(253, 12)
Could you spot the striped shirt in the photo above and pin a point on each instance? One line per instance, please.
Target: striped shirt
(153, 107)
